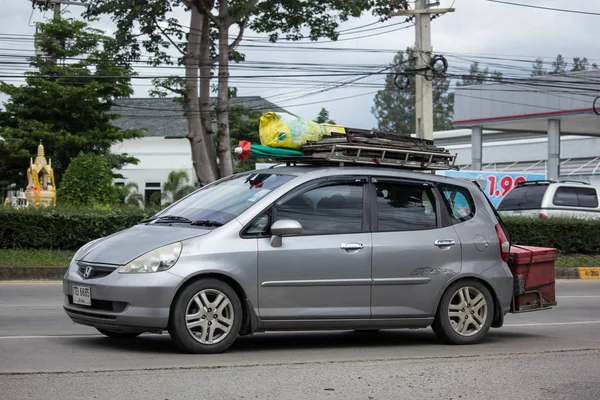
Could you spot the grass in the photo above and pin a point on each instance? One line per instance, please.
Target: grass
(51, 258)
(578, 260)
(35, 258)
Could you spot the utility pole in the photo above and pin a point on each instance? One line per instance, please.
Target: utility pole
(424, 87)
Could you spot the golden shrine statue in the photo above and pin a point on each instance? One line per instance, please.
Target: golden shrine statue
(41, 189)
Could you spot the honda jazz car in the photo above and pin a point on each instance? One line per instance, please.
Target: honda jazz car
(301, 248)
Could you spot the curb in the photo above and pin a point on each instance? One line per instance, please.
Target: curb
(20, 273)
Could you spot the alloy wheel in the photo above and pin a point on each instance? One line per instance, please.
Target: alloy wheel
(209, 316)
(468, 311)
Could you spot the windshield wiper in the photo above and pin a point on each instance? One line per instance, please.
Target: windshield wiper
(207, 222)
(171, 218)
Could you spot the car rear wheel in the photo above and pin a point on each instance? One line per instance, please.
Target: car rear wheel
(206, 317)
(465, 313)
(118, 335)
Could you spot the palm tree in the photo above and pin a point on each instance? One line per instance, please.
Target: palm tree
(176, 186)
(129, 194)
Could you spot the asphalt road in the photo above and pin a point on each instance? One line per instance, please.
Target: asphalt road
(550, 355)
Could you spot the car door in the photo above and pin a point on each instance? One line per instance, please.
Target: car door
(324, 272)
(414, 254)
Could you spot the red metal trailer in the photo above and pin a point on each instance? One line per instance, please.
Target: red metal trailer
(533, 271)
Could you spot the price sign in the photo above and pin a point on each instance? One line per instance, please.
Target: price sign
(498, 184)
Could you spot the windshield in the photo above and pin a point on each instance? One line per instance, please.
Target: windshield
(227, 199)
(523, 198)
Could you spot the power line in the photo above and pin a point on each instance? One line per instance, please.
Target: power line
(544, 8)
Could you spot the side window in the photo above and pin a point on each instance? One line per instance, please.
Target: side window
(576, 197)
(402, 207)
(459, 202)
(261, 227)
(565, 197)
(333, 209)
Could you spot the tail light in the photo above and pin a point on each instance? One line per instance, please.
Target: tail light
(504, 244)
(543, 216)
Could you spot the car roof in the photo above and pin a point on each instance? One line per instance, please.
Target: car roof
(323, 171)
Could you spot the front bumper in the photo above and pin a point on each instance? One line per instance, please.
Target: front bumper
(123, 302)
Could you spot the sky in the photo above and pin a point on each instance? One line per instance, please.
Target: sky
(501, 36)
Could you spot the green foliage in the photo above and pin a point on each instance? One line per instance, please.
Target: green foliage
(66, 100)
(244, 125)
(129, 195)
(62, 228)
(569, 236)
(323, 117)
(87, 181)
(34, 258)
(560, 66)
(176, 187)
(478, 76)
(395, 108)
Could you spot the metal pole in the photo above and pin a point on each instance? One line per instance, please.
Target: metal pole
(56, 7)
(424, 100)
(553, 171)
(477, 148)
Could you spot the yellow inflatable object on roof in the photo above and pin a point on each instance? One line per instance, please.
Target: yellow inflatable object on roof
(290, 132)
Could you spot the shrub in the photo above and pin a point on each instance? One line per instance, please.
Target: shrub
(567, 235)
(62, 228)
(87, 181)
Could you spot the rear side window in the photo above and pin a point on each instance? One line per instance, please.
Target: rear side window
(459, 202)
(402, 207)
(527, 197)
(576, 197)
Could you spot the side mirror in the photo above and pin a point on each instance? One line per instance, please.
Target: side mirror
(284, 227)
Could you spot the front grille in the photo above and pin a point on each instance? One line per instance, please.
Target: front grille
(103, 305)
(93, 315)
(92, 271)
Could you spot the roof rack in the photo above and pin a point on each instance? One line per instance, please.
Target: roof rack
(539, 182)
(570, 181)
(375, 149)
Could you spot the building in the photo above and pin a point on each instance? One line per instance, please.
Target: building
(548, 124)
(164, 147)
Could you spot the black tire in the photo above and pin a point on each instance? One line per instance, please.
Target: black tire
(442, 325)
(178, 328)
(118, 335)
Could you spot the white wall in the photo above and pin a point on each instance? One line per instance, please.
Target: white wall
(158, 156)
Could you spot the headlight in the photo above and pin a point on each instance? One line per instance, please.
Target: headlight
(157, 260)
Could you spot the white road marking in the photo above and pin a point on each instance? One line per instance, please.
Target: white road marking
(49, 336)
(552, 324)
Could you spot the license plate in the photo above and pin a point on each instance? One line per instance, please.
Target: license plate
(82, 295)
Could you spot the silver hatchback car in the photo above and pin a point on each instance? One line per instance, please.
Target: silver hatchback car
(301, 248)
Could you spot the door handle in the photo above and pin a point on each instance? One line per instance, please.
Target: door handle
(444, 242)
(352, 246)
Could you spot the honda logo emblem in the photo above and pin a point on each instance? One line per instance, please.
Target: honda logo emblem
(87, 272)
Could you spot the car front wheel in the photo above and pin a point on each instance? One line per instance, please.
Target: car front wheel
(206, 317)
(465, 313)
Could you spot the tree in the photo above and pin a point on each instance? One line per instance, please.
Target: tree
(87, 181)
(66, 104)
(395, 108)
(323, 117)
(478, 76)
(538, 68)
(244, 125)
(176, 187)
(559, 66)
(129, 194)
(207, 43)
